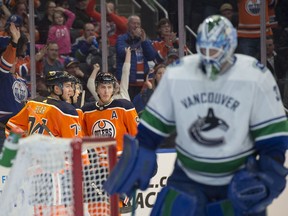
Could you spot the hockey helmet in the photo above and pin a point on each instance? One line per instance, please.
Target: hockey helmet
(105, 78)
(75, 82)
(58, 77)
(216, 42)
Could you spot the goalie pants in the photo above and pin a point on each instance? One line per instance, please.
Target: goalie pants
(205, 193)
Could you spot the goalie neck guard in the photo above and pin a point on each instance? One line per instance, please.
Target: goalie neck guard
(216, 43)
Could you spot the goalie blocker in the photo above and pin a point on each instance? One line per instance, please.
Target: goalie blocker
(134, 169)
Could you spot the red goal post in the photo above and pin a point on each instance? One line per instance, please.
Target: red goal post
(57, 176)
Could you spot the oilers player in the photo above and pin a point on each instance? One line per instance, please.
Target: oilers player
(51, 115)
(109, 117)
(231, 133)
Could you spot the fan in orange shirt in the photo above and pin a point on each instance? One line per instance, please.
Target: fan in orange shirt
(249, 26)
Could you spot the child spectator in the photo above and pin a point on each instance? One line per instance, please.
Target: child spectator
(59, 32)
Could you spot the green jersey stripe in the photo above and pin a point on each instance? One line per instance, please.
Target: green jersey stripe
(157, 123)
(215, 168)
(169, 200)
(270, 129)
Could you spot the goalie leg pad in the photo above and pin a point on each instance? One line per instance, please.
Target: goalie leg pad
(220, 208)
(134, 169)
(172, 202)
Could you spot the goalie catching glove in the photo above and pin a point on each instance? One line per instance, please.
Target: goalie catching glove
(252, 189)
(134, 169)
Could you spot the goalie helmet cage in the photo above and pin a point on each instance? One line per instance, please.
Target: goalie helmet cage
(58, 176)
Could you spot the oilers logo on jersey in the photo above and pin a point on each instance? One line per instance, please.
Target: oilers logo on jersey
(20, 91)
(104, 128)
(253, 7)
(205, 126)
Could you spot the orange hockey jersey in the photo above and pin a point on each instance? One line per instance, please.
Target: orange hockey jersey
(47, 116)
(114, 120)
(249, 18)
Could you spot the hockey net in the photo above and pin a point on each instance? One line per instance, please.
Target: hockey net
(56, 176)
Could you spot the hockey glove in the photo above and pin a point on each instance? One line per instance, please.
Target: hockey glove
(252, 189)
(134, 169)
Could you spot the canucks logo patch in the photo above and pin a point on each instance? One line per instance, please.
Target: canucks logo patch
(209, 130)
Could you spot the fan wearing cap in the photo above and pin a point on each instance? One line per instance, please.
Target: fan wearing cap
(51, 115)
(5, 36)
(72, 66)
(172, 56)
(109, 117)
(227, 11)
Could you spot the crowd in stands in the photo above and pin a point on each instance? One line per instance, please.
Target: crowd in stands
(68, 37)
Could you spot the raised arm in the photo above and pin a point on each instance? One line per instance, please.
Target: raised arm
(92, 12)
(124, 84)
(91, 81)
(9, 55)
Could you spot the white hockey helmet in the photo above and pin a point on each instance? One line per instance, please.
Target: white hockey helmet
(216, 42)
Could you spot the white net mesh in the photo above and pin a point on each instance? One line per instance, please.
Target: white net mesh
(41, 180)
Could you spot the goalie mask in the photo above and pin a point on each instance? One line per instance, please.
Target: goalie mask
(216, 43)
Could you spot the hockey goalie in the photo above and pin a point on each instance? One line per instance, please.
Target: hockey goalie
(231, 133)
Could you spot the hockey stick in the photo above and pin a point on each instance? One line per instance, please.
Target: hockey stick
(40, 121)
(82, 98)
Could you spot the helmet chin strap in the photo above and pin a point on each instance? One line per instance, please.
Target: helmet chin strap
(102, 104)
(59, 95)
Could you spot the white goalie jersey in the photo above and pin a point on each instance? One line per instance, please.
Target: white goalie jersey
(217, 122)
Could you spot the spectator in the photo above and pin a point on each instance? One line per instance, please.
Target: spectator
(4, 15)
(47, 59)
(13, 89)
(41, 88)
(95, 55)
(249, 27)
(172, 56)
(71, 65)
(278, 65)
(81, 16)
(59, 32)
(167, 39)
(21, 9)
(83, 44)
(22, 66)
(227, 11)
(116, 24)
(142, 52)
(142, 98)
(44, 24)
(5, 36)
